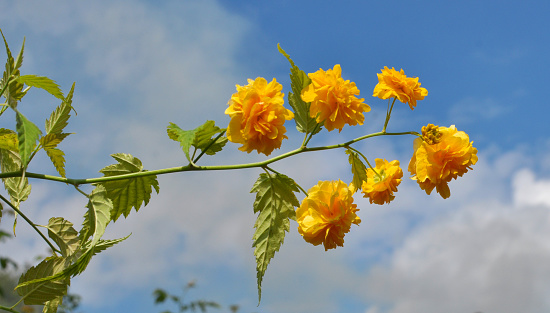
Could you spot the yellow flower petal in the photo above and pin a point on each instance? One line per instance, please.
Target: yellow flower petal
(326, 214)
(257, 116)
(435, 165)
(333, 100)
(380, 188)
(394, 84)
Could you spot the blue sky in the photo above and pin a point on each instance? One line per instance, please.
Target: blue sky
(139, 65)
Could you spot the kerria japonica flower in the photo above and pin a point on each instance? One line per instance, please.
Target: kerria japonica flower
(442, 154)
(380, 186)
(326, 214)
(333, 99)
(258, 116)
(394, 84)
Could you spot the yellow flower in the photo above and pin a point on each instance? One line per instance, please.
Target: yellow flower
(334, 100)
(380, 189)
(392, 83)
(257, 116)
(326, 214)
(442, 154)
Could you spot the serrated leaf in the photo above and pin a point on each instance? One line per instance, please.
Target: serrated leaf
(358, 169)
(11, 162)
(27, 134)
(60, 116)
(41, 291)
(49, 143)
(102, 244)
(97, 217)
(90, 249)
(58, 159)
(8, 140)
(12, 89)
(184, 137)
(128, 193)
(64, 235)
(298, 81)
(203, 138)
(275, 202)
(95, 221)
(200, 138)
(44, 83)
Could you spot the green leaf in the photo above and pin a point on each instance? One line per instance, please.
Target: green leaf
(65, 236)
(203, 138)
(11, 162)
(49, 143)
(160, 295)
(298, 81)
(12, 88)
(200, 138)
(358, 169)
(40, 292)
(104, 244)
(97, 217)
(184, 137)
(60, 116)
(27, 134)
(42, 82)
(58, 160)
(128, 193)
(8, 140)
(275, 202)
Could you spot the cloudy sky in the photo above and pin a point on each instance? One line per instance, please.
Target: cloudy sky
(139, 65)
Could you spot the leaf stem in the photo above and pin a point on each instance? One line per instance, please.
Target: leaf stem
(388, 114)
(304, 144)
(30, 223)
(366, 160)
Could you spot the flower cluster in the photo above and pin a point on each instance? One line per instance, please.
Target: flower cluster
(394, 84)
(333, 99)
(326, 214)
(258, 116)
(441, 155)
(382, 181)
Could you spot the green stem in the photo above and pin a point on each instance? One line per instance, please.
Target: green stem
(388, 114)
(30, 223)
(366, 160)
(307, 139)
(192, 167)
(8, 309)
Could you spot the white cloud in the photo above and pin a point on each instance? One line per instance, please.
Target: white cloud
(530, 191)
(489, 255)
(470, 109)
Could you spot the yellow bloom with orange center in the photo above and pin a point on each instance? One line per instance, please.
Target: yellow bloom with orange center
(258, 116)
(379, 188)
(327, 213)
(394, 84)
(441, 155)
(333, 99)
